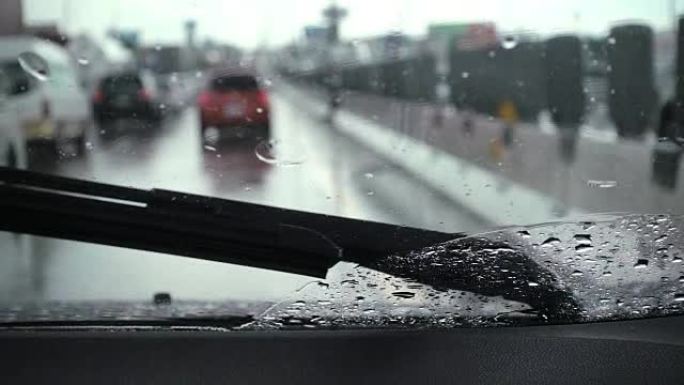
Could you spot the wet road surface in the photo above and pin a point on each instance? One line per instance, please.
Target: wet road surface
(314, 169)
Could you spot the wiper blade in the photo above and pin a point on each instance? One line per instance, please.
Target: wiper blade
(196, 226)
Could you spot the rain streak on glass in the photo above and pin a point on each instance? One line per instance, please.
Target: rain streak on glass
(275, 153)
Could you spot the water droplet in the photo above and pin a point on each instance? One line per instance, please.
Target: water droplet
(404, 294)
(259, 110)
(465, 75)
(532, 284)
(209, 148)
(370, 193)
(349, 282)
(641, 264)
(602, 183)
(34, 65)
(551, 241)
(607, 274)
(89, 146)
(582, 238)
(660, 238)
(369, 175)
(679, 298)
(524, 234)
(583, 247)
(577, 273)
(274, 153)
(509, 42)
(681, 279)
(83, 61)
(612, 41)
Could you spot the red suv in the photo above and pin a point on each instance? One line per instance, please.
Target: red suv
(234, 105)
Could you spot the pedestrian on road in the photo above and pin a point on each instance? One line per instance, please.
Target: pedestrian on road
(508, 114)
(334, 96)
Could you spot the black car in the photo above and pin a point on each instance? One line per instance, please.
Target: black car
(126, 95)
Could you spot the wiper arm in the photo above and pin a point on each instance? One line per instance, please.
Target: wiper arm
(196, 226)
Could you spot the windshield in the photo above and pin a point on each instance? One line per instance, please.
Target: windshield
(508, 128)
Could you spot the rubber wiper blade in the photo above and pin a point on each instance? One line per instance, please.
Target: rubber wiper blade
(196, 226)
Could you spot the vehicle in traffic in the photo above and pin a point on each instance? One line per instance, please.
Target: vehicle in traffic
(49, 102)
(12, 143)
(127, 95)
(234, 104)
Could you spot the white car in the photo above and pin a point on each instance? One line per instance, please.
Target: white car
(12, 143)
(52, 108)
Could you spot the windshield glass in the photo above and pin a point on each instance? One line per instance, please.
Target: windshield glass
(504, 130)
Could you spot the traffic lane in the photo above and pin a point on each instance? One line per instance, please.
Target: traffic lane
(315, 169)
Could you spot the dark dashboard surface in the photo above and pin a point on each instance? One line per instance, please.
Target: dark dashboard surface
(649, 351)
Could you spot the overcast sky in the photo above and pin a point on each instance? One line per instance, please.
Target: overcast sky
(249, 23)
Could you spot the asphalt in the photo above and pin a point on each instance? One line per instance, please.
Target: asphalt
(309, 166)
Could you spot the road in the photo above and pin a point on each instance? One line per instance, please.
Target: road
(315, 168)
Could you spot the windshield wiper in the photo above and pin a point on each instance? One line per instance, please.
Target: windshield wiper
(196, 226)
(273, 238)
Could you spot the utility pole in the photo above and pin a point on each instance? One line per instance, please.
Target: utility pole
(333, 15)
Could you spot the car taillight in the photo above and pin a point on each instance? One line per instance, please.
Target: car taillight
(204, 99)
(98, 96)
(262, 98)
(144, 95)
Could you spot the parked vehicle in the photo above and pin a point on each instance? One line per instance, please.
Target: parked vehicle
(52, 107)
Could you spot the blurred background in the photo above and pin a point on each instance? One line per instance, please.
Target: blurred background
(452, 116)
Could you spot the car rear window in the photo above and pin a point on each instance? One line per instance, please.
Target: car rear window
(119, 84)
(234, 83)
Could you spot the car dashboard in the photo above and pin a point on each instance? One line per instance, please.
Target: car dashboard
(626, 352)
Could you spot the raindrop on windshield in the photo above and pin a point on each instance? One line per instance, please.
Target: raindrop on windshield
(509, 42)
(34, 65)
(612, 41)
(551, 241)
(641, 264)
(679, 297)
(602, 183)
(404, 294)
(583, 238)
(524, 234)
(83, 61)
(583, 247)
(369, 175)
(274, 153)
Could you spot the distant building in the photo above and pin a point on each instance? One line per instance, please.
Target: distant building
(11, 17)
